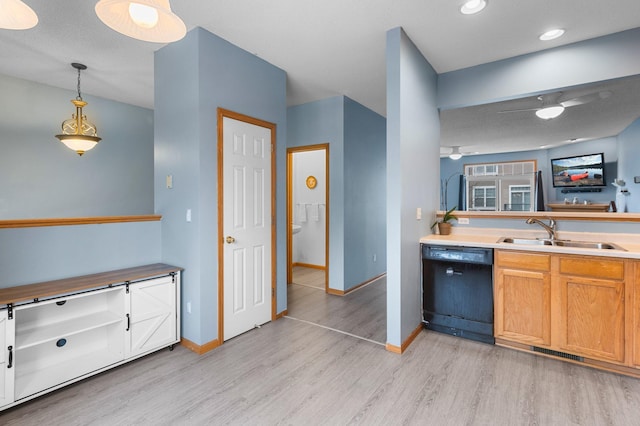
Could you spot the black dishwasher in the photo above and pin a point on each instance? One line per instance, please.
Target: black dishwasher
(457, 291)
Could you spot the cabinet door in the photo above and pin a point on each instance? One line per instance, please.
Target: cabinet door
(636, 313)
(7, 358)
(152, 312)
(592, 317)
(522, 306)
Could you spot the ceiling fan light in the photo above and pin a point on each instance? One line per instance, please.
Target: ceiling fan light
(551, 34)
(473, 6)
(146, 20)
(16, 15)
(550, 112)
(455, 153)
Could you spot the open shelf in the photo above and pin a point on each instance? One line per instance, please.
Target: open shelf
(36, 335)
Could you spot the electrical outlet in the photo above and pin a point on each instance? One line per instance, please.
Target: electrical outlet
(375, 258)
(188, 215)
(419, 213)
(188, 307)
(636, 179)
(463, 221)
(169, 181)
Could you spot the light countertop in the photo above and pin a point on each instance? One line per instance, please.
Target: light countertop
(488, 238)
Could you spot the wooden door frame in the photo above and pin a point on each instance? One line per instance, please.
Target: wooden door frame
(224, 113)
(290, 152)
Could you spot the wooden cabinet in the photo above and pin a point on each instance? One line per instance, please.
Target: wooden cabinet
(575, 307)
(522, 297)
(592, 307)
(50, 340)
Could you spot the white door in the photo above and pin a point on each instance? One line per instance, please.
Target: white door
(152, 315)
(246, 226)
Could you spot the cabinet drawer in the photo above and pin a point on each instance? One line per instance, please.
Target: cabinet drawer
(592, 267)
(522, 260)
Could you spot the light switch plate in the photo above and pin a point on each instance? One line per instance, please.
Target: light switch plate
(169, 181)
(636, 179)
(419, 213)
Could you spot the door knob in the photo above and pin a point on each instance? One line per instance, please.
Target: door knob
(230, 240)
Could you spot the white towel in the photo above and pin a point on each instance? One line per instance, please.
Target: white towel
(302, 213)
(314, 214)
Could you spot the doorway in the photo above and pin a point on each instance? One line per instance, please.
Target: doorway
(246, 223)
(308, 215)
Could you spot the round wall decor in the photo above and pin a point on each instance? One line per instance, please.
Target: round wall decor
(311, 182)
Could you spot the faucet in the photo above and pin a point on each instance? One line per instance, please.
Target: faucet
(550, 228)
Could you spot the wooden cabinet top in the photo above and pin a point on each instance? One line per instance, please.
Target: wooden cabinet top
(45, 289)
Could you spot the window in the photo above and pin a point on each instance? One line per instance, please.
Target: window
(500, 186)
(484, 198)
(519, 198)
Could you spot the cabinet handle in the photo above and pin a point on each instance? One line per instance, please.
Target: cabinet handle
(10, 357)
(128, 322)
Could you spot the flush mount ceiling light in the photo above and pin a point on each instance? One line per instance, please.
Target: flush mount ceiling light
(15, 15)
(146, 20)
(455, 153)
(549, 112)
(78, 133)
(551, 34)
(473, 6)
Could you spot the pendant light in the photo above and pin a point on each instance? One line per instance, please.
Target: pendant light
(16, 15)
(78, 133)
(146, 20)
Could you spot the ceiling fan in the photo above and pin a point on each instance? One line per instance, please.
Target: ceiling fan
(553, 104)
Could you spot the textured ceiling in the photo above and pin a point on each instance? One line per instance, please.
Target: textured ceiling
(327, 48)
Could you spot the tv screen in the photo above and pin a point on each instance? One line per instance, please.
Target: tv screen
(578, 171)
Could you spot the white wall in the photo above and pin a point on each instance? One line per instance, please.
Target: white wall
(309, 243)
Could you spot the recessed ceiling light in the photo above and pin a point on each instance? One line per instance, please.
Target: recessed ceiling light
(552, 34)
(473, 6)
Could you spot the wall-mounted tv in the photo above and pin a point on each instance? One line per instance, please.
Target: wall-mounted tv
(578, 171)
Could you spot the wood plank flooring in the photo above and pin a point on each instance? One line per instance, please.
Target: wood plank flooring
(362, 312)
(309, 277)
(289, 372)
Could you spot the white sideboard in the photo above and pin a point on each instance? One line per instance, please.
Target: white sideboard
(58, 332)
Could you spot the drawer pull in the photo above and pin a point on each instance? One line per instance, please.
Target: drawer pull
(128, 322)
(10, 357)
(61, 342)
(60, 303)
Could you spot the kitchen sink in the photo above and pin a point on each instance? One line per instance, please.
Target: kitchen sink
(561, 243)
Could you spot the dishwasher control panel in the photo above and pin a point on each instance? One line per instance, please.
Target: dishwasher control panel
(478, 255)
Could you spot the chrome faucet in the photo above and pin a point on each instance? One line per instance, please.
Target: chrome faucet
(550, 228)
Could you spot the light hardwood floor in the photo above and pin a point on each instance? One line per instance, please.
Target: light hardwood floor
(290, 372)
(308, 277)
(362, 312)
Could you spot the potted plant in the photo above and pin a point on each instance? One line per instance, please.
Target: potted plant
(444, 225)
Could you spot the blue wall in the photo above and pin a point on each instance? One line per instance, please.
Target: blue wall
(356, 138)
(628, 165)
(31, 255)
(413, 170)
(318, 123)
(365, 194)
(41, 178)
(193, 77)
(603, 58)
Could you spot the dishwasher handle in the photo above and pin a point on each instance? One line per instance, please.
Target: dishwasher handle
(451, 272)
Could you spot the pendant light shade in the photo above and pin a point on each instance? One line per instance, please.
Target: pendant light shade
(146, 20)
(78, 133)
(15, 15)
